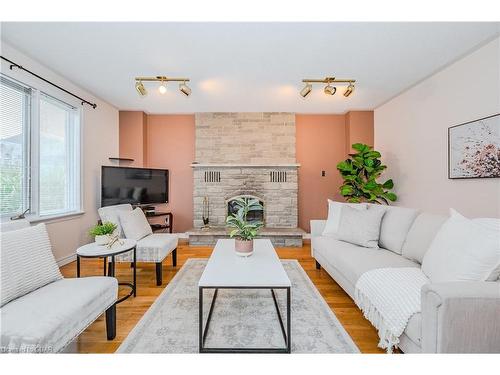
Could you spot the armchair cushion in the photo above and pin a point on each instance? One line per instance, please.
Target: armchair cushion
(153, 248)
(27, 262)
(134, 224)
(111, 214)
(47, 319)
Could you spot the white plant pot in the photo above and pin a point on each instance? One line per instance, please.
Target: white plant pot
(102, 239)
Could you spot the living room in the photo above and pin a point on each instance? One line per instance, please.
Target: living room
(250, 187)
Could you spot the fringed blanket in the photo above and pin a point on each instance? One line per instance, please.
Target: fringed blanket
(388, 298)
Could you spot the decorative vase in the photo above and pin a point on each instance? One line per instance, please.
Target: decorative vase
(243, 248)
(102, 239)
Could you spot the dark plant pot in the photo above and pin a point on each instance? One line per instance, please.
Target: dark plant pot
(243, 248)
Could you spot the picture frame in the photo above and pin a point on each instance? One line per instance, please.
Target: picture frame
(474, 149)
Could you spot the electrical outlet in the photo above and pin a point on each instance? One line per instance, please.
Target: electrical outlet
(323, 173)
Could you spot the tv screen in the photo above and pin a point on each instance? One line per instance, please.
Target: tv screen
(136, 186)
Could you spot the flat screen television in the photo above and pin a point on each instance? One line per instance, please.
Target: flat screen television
(136, 186)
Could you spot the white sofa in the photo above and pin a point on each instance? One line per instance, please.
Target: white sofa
(47, 319)
(455, 316)
(153, 248)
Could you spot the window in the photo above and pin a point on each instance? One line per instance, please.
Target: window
(40, 153)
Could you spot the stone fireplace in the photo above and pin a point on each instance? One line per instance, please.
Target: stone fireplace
(246, 155)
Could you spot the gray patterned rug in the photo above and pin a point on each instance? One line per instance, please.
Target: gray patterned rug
(241, 318)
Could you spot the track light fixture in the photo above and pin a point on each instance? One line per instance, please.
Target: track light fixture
(306, 90)
(348, 91)
(141, 90)
(162, 89)
(329, 89)
(185, 89)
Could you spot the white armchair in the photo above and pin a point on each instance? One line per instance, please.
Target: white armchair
(153, 248)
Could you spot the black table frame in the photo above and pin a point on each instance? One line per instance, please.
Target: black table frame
(204, 329)
(111, 270)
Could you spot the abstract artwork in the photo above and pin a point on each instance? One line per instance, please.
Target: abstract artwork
(474, 149)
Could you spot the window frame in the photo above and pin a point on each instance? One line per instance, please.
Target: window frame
(32, 149)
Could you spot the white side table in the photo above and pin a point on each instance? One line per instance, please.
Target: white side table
(92, 250)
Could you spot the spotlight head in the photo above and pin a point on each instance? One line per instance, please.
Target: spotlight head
(330, 90)
(141, 90)
(306, 90)
(184, 89)
(163, 88)
(348, 91)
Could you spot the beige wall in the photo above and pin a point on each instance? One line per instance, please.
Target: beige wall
(170, 145)
(411, 132)
(99, 142)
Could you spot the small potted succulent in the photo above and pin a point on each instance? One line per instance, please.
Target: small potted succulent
(243, 231)
(103, 233)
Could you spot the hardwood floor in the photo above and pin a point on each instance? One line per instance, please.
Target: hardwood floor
(93, 339)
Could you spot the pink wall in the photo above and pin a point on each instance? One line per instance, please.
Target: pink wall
(132, 136)
(168, 141)
(320, 145)
(359, 128)
(170, 145)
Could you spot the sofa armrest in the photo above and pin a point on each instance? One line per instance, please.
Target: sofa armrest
(317, 227)
(461, 317)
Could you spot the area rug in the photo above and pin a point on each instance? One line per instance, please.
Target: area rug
(241, 318)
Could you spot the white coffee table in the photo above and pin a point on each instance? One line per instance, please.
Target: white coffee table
(262, 270)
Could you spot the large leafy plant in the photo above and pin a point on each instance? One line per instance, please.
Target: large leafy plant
(240, 228)
(360, 173)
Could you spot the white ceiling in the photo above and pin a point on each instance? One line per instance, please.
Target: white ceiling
(240, 67)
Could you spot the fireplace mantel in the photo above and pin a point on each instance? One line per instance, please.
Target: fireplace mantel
(241, 165)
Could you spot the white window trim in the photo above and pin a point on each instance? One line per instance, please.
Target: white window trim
(33, 140)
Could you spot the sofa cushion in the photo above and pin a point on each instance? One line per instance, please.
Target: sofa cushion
(360, 227)
(395, 226)
(27, 262)
(463, 250)
(134, 224)
(153, 248)
(352, 260)
(334, 215)
(420, 235)
(111, 214)
(47, 319)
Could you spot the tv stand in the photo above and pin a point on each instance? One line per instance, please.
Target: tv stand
(160, 227)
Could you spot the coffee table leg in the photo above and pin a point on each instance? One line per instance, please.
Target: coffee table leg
(200, 319)
(112, 267)
(77, 266)
(288, 321)
(105, 261)
(135, 271)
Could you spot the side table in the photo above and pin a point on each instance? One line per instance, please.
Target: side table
(92, 250)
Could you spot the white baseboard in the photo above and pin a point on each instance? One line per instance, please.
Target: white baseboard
(67, 259)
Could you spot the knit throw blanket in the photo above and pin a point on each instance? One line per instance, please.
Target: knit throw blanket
(388, 298)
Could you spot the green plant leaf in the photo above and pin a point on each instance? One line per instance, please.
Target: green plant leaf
(372, 154)
(389, 184)
(360, 147)
(391, 196)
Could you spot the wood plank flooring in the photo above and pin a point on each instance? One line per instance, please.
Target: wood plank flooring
(93, 339)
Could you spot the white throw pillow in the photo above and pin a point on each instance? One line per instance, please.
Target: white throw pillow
(334, 214)
(134, 224)
(360, 227)
(27, 262)
(463, 250)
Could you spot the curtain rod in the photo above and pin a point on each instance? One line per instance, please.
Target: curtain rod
(14, 65)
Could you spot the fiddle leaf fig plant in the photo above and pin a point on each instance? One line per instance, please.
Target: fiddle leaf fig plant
(360, 173)
(241, 229)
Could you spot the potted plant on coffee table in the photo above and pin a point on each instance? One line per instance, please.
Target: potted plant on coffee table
(103, 233)
(243, 231)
